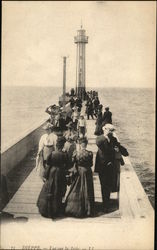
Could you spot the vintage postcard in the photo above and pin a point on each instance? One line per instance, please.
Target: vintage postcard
(78, 125)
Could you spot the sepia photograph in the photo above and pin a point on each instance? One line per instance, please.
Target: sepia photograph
(78, 125)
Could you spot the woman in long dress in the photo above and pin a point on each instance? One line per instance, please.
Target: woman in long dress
(80, 199)
(98, 129)
(89, 109)
(47, 144)
(50, 198)
(107, 163)
(75, 116)
(71, 137)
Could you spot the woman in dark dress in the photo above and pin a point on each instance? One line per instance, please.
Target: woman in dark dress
(50, 198)
(98, 129)
(89, 109)
(80, 199)
(71, 137)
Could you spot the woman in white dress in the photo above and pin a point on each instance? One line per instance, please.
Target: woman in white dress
(75, 116)
(47, 144)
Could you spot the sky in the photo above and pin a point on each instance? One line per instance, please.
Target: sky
(37, 34)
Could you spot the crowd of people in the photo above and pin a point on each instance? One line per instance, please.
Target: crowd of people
(63, 158)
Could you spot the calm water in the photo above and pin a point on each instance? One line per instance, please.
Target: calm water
(133, 115)
(22, 107)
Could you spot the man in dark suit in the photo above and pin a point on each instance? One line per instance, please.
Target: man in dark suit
(107, 117)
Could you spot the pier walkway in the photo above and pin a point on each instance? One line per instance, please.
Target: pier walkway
(128, 225)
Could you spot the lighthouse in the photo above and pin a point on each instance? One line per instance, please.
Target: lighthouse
(81, 39)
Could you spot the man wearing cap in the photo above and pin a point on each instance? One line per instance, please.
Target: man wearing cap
(107, 117)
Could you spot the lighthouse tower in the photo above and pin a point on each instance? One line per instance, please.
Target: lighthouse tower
(81, 39)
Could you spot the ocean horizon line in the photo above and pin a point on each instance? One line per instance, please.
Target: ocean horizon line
(87, 87)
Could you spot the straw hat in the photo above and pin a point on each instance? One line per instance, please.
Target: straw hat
(48, 126)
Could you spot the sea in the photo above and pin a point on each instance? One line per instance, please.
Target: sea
(133, 113)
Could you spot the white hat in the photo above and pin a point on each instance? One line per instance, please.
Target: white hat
(47, 126)
(109, 127)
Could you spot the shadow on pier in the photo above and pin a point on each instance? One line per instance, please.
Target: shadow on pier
(7, 217)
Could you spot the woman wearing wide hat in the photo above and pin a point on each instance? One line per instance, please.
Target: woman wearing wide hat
(50, 198)
(98, 129)
(107, 163)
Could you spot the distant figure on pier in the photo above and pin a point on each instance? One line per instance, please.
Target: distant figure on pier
(75, 116)
(50, 198)
(72, 92)
(98, 129)
(51, 110)
(68, 113)
(72, 102)
(107, 117)
(47, 144)
(107, 164)
(87, 95)
(96, 103)
(89, 109)
(56, 119)
(78, 103)
(82, 126)
(80, 199)
(62, 121)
